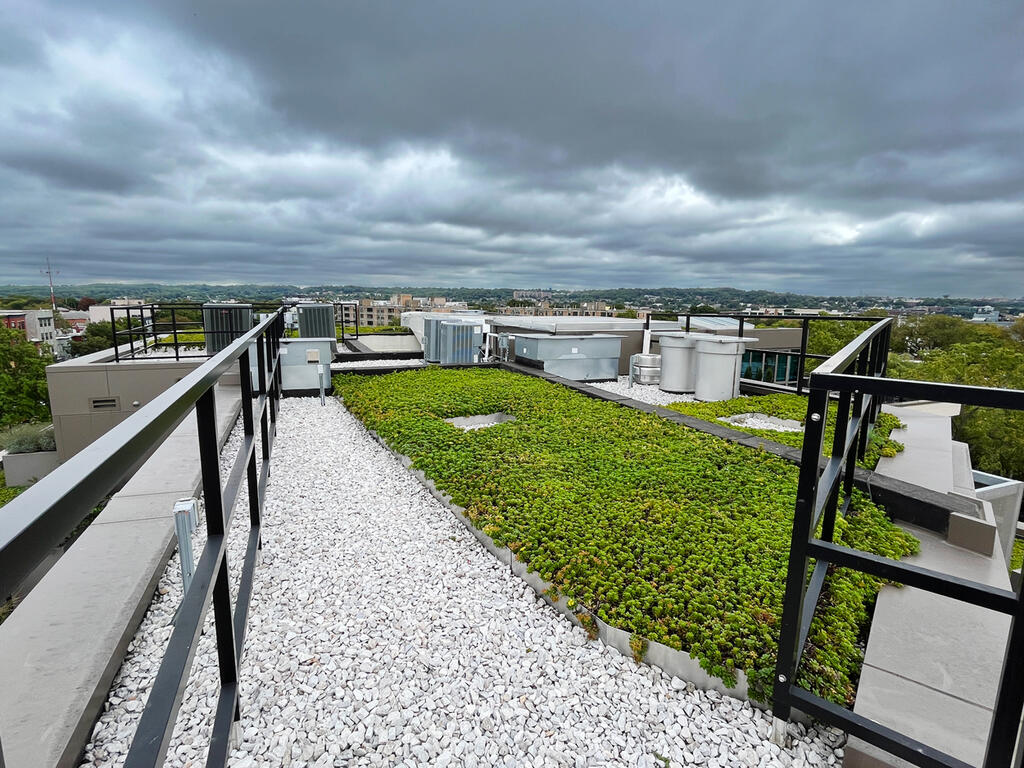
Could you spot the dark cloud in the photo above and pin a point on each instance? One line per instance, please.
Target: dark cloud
(820, 147)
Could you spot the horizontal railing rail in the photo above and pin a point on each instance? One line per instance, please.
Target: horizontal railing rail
(854, 378)
(44, 514)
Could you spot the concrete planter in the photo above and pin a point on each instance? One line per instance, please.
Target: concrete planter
(26, 468)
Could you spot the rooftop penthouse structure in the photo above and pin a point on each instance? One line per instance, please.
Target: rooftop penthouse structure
(489, 564)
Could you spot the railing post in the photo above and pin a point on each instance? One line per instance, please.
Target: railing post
(113, 339)
(174, 333)
(213, 495)
(687, 322)
(1006, 717)
(864, 427)
(805, 326)
(252, 474)
(796, 573)
(261, 364)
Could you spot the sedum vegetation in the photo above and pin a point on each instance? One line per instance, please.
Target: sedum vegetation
(794, 407)
(663, 531)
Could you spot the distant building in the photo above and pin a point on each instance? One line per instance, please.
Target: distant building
(77, 320)
(99, 313)
(13, 319)
(39, 327)
(531, 295)
(991, 316)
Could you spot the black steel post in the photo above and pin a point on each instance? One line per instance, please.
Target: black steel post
(252, 475)
(113, 339)
(687, 322)
(216, 519)
(174, 333)
(740, 334)
(1006, 717)
(840, 434)
(805, 326)
(865, 423)
(796, 575)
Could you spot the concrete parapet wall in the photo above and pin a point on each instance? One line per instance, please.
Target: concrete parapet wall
(90, 395)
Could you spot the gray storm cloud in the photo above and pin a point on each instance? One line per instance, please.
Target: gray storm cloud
(870, 147)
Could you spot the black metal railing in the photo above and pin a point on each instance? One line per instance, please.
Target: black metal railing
(802, 355)
(856, 377)
(42, 516)
(172, 331)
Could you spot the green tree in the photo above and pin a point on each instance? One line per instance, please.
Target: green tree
(23, 393)
(918, 334)
(97, 337)
(996, 361)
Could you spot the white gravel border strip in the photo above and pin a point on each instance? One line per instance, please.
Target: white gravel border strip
(343, 366)
(382, 633)
(644, 393)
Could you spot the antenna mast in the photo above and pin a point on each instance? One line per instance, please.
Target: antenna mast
(50, 273)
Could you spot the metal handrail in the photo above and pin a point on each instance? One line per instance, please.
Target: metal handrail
(45, 513)
(857, 375)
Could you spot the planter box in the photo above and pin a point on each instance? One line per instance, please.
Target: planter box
(26, 468)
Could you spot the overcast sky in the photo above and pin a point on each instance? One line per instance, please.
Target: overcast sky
(818, 147)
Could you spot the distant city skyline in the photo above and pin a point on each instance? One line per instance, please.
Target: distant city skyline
(859, 149)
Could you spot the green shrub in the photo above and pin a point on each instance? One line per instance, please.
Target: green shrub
(6, 494)
(28, 438)
(794, 407)
(668, 533)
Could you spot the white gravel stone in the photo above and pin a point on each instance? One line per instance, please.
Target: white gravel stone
(342, 366)
(645, 393)
(762, 421)
(382, 633)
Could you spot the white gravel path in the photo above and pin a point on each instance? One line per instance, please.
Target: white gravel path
(645, 393)
(382, 633)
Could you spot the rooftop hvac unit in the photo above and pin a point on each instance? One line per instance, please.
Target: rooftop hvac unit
(223, 323)
(316, 321)
(460, 342)
(581, 358)
(432, 339)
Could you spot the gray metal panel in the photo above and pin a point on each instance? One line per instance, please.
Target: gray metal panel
(316, 321)
(432, 339)
(584, 368)
(541, 347)
(223, 323)
(459, 342)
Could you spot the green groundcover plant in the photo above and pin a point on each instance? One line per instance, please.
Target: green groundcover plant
(794, 407)
(669, 533)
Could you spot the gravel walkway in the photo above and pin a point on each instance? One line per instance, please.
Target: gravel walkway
(382, 633)
(645, 393)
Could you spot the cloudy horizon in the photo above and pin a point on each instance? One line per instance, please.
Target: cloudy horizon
(868, 149)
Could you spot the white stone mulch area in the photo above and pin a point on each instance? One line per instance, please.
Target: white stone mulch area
(342, 366)
(762, 421)
(382, 633)
(645, 393)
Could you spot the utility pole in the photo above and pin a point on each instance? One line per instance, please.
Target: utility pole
(50, 273)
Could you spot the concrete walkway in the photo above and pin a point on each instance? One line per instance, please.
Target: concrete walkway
(932, 664)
